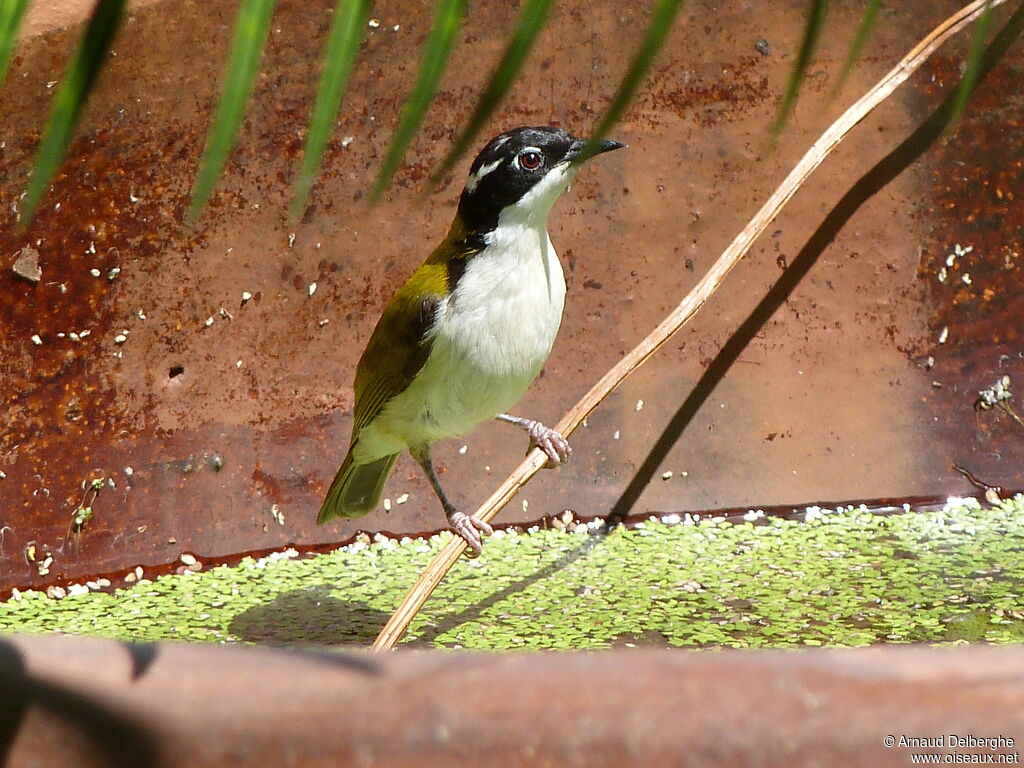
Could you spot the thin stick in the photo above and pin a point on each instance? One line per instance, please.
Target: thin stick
(700, 293)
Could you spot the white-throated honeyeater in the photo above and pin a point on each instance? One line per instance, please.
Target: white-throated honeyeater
(461, 341)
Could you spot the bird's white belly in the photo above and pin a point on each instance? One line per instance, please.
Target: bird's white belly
(493, 336)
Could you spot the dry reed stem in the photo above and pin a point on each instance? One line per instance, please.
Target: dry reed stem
(446, 558)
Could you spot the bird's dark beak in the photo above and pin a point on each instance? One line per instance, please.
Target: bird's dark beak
(580, 152)
(607, 145)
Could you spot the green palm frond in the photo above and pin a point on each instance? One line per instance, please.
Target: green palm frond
(662, 16)
(342, 45)
(972, 72)
(243, 63)
(860, 39)
(812, 32)
(345, 37)
(67, 106)
(435, 58)
(11, 14)
(528, 26)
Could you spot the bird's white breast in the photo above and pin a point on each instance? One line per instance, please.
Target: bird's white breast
(493, 335)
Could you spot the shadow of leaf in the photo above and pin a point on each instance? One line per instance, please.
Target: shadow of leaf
(311, 615)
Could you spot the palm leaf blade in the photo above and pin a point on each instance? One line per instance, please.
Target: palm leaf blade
(435, 57)
(243, 62)
(342, 46)
(11, 14)
(662, 17)
(67, 106)
(531, 20)
(860, 39)
(815, 23)
(972, 71)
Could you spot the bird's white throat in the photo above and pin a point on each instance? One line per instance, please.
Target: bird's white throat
(533, 207)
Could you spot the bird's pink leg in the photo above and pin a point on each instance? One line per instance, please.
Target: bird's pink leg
(469, 528)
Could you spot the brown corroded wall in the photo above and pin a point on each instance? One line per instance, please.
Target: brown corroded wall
(221, 436)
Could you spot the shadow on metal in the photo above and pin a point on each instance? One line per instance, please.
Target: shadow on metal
(866, 187)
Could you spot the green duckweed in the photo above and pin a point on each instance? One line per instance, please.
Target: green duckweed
(843, 578)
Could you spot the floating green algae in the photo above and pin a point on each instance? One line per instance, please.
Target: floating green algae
(842, 578)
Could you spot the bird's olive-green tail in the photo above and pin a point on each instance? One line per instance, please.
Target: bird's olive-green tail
(356, 488)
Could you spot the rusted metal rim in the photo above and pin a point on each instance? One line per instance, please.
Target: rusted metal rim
(84, 702)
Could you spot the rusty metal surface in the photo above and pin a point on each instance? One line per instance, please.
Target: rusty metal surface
(977, 202)
(171, 705)
(232, 430)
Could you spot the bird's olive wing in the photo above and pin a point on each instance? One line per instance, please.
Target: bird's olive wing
(400, 343)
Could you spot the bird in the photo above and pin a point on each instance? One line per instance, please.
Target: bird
(468, 332)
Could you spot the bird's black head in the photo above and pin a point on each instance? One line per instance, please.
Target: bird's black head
(524, 170)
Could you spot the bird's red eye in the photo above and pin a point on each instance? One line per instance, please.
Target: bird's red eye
(530, 160)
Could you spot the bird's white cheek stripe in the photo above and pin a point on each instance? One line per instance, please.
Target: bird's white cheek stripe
(483, 171)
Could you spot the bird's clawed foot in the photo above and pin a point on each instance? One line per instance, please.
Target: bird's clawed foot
(550, 441)
(469, 528)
